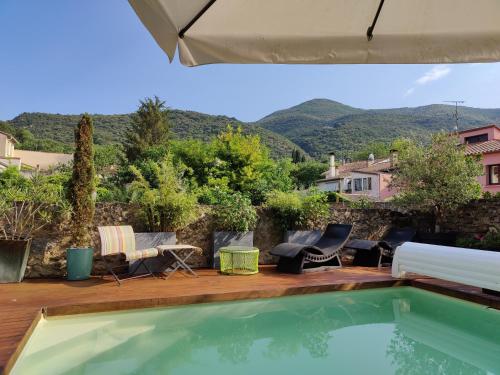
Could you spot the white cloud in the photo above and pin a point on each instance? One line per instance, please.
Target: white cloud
(437, 72)
(409, 91)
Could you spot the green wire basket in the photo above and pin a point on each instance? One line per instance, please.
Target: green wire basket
(239, 260)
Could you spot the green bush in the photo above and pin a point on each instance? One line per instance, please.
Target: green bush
(362, 203)
(490, 196)
(234, 213)
(315, 209)
(335, 197)
(166, 204)
(29, 204)
(286, 208)
(299, 210)
(488, 241)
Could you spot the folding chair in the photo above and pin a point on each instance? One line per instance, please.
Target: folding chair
(121, 240)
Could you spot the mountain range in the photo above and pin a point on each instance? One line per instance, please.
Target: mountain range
(315, 127)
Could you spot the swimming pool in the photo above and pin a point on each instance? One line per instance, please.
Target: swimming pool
(378, 331)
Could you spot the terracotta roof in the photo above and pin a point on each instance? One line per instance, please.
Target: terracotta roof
(363, 166)
(482, 147)
(345, 170)
(376, 167)
(480, 128)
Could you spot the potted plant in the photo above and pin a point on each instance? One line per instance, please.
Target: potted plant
(80, 256)
(300, 215)
(234, 221)
(27, 205)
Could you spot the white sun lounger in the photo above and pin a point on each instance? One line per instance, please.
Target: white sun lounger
(478, 268)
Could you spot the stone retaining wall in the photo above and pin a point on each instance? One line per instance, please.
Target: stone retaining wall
(48, 258)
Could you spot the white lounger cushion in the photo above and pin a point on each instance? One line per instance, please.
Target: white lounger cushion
(478, 268)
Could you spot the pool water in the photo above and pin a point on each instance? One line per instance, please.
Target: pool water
(377, 331)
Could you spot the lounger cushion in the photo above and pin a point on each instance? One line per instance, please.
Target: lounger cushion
(142, 254)
(289, 250)
(362, 245)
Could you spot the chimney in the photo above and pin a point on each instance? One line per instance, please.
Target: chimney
(371, 159)
(331, 170)
(393, 158)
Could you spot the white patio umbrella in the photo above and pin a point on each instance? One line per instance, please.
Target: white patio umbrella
(324, 31)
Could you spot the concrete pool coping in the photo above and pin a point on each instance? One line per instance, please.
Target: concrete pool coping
(23, 305)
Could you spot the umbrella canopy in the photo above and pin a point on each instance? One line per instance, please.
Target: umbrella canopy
(324, 31)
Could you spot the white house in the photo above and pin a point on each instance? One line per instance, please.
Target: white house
(369, 178)
(28, 160)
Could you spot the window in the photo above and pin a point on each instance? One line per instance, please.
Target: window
(363, 184)
(358, 184)
(494, 174)
(476, 138)
(333, 186)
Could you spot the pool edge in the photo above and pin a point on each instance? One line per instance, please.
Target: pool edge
(20, 346)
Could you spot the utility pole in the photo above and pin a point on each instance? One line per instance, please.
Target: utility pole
(455, 115)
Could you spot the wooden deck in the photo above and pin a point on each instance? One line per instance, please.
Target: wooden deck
(21, 304)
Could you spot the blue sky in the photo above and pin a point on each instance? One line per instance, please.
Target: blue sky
(74, 56)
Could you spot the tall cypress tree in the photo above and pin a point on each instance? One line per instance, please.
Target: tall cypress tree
(82, 183)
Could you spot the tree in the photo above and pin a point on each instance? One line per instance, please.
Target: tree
(150, 127)
(439, 177)
(82, 183)
(6, 127)
(307, 173)
(297, 156)
(378, 149)
(108, 157)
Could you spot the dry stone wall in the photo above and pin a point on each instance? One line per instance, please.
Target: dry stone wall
(48, 253)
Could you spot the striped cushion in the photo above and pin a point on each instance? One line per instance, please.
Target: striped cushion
(117, 239)
(141, 254)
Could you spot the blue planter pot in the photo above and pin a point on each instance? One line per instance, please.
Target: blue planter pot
(79, 263)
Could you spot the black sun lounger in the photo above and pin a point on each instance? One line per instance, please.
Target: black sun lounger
(368, 251)
(295, 257)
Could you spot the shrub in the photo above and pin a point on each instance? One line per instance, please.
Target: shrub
(315, 209)
(335, 197)
(27, 205)
(488, 241)
(286, 208)
(167, 206)
(298, 210)
(361, 203)
(234, 213)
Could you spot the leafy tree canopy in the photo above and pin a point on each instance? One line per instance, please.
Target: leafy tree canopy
(438, 177)
(305, 174)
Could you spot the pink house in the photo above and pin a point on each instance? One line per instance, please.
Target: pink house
(369, 178)
(485, 141)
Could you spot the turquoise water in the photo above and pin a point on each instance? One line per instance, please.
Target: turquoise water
(378, 331)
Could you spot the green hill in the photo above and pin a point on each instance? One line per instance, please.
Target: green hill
(317, 126)
(321, 125)
(112, 128)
